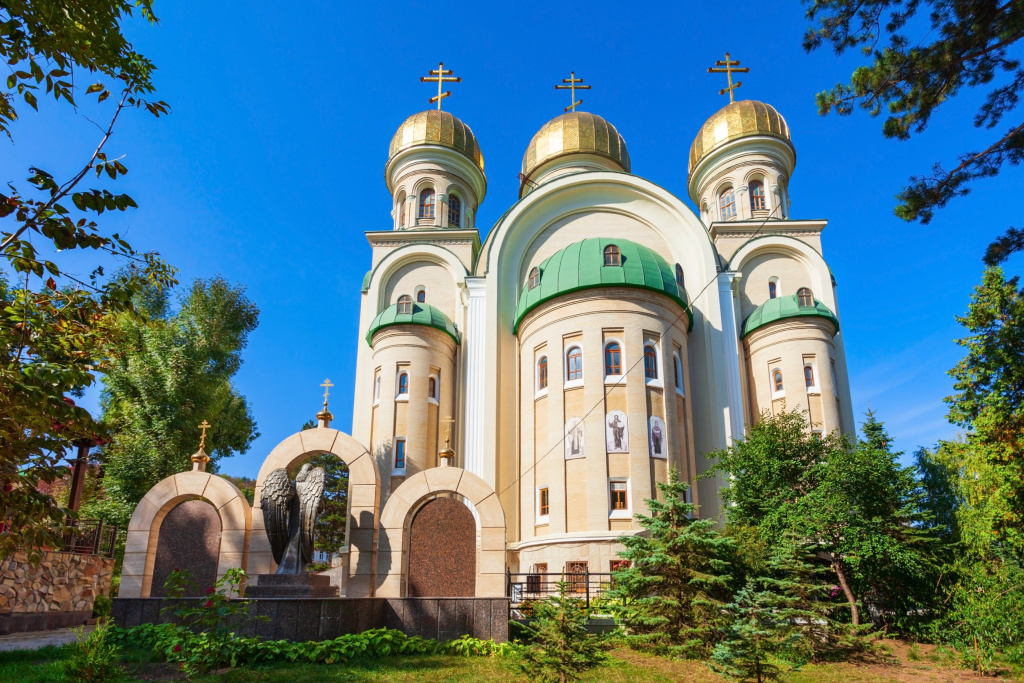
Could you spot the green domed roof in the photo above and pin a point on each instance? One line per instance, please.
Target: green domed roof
(422, 314)
(785, 307)
(581, 266)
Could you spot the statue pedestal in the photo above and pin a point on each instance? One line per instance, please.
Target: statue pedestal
(291, 586)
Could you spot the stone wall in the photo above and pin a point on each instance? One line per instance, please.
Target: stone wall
(57, 592)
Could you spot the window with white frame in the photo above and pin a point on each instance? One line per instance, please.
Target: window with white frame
(677, 370)
(811, 376)
(421, 294)
(727, 204)
(402, 389)
(835, 384)
(542, 374)
(399, 463)
(543, 504)
(376, 389)
(432, 389)
(650, 362)
(612, 359)
(773, 288)
(574, 365)
(618, 499)
(778, 388)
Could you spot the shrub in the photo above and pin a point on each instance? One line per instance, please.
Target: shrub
(101, 607)
(94, 657)
(562, 647)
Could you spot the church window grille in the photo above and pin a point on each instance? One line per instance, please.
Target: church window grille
(454, 212)
(542, 373)
(757, 198)
(612, 257)
(773, 289)
(432, 387)
(400, 454)
(804, 297)
(421, 296)
(575, 363)
(534, 277)
(405, 304)
(679, 279)
(619, 495)
(727, 203)
(427, 203)
(777, 380)
(545, 502)
(650, 362)
(403, 384)
(613, 359)
(809, 376)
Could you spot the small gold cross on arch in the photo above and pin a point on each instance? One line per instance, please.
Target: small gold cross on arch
(202, 439)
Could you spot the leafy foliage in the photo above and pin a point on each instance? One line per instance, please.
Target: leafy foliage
(171, 371)
(94, 656)
(56, 328)
(678, 580)
(561, 648)
(969, 45)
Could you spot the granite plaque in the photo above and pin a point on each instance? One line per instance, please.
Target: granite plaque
(442, 551)
(189, 540)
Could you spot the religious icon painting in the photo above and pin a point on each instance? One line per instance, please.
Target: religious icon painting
(574, 446)
(616, 434)
(656, 437)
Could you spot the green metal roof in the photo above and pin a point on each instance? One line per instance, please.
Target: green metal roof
(581, 266)
(366, 280)
(422, 314)
(785, 307)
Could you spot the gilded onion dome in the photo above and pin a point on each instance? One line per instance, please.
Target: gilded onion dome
(577, 132)
(741, 119)
(437, 127)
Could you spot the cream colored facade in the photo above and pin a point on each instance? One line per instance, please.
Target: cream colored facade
(472, 347)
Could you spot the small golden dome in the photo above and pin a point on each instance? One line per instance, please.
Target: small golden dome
(737, 120)
(436, 127)
(575, 133)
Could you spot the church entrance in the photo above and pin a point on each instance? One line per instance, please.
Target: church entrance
(442, 551)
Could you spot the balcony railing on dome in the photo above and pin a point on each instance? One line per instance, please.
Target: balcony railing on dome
(90, 537)
(523, 589)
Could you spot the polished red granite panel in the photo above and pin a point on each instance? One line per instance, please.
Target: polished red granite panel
(189, 540)
(442, 551)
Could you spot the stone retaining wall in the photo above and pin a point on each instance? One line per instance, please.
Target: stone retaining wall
(300, 620)
(57, 592)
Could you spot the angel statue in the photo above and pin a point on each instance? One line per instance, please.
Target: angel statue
(290, 510)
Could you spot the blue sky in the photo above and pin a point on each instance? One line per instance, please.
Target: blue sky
(271, 167)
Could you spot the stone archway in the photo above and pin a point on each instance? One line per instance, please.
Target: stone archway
(363, 503)
(144, 528)
(414, 495)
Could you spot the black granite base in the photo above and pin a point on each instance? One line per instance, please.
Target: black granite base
(300, 620)
(41, 621)
(291, 586)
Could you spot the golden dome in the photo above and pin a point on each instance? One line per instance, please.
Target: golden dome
(575, 133)
(737, 120)
(436, 127)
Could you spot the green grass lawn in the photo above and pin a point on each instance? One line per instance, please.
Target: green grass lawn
(43, 666)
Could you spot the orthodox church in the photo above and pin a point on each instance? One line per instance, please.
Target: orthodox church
(602, 333)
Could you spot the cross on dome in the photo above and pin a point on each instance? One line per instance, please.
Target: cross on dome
(572, 87)
(729, 69)
(440, 75)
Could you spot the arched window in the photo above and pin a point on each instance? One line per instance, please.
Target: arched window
(804, 297)
(612, 257)
(777, 380)
(432, 387)
(677, 368)
(757, 200)
(421, 296)
(650, 362)
(401, 212)
(679, 279)
(727, 204)
(427, 203)
(773, 289)
(454, 212)
(574, 364)
(403, 384)
(613, 359)
(542, 373)
(376, 389)
(809, 376)
(534, 277)
(405, 304)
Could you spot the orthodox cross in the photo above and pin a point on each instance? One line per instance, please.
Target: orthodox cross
(327, 390)
(449, 421)
(730, 69)
(572, 87)
(202, 440)
(440, 75)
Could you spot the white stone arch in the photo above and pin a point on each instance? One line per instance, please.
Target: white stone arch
(144, 527)
(405, 502)
(363, 502)
(412, 253)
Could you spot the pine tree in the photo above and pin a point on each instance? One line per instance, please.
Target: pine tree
(562, 647)
(678, 579)
(757, 633)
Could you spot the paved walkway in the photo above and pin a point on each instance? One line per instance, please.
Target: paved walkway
(33, 640)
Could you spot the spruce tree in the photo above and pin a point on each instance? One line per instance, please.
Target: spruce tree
(561, 646)
(678, 580)
(758, 631)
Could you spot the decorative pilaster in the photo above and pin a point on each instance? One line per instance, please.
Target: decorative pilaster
(441, 211)
(742, 203)
(474, 346)
(776, 201)
(730, 341)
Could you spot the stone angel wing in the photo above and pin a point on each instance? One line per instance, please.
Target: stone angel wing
(310, 484)
(276, 499)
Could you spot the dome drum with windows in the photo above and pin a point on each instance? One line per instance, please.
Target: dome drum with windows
(799, 305)
(601, 262)
(405, 312)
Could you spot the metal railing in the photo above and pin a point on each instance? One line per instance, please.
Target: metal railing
(90, 537)
(522, 588)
